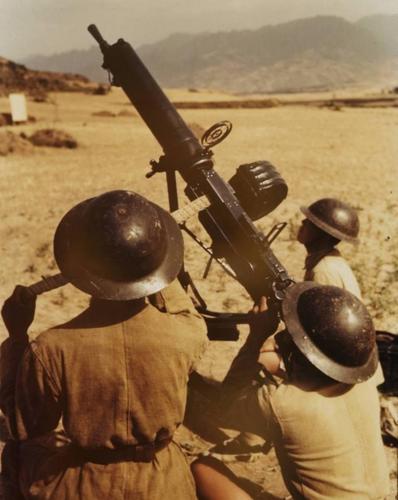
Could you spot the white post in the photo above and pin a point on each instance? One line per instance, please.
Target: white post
(18, 107)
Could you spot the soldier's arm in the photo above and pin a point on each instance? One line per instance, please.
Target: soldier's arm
(175, 300)
(18, 313)
(244, 368)
(38, 393)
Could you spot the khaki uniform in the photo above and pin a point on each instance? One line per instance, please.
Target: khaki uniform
(326, 268)
(327, 439)
(329, 268)
(120, 390)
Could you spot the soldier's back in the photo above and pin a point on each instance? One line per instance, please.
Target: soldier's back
(329, 443)
(116, 385)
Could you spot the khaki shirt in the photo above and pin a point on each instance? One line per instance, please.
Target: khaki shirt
(113, 384)
(331, 269)
(327, 440)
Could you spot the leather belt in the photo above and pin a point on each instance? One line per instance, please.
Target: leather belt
(137, 453)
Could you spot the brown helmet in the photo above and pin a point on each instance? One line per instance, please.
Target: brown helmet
(118, 246)
(332, 329)
(334, 217)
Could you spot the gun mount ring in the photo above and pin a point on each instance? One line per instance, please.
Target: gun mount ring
(216, 133)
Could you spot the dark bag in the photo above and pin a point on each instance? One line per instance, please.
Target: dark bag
(387, 344)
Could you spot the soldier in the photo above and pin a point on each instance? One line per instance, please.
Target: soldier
(117, 373)
(327, 222)
(316, 401)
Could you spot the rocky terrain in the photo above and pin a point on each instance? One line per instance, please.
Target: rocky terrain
(17, 77)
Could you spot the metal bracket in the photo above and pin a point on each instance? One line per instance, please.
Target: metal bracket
(274, 232)
(209, 251)
(158, 166)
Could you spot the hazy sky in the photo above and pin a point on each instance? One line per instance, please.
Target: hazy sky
(46, 26)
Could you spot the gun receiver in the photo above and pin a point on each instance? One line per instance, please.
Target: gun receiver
(234, 236)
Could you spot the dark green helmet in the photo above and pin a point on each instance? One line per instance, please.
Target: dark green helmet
(333, 330)
(334, 217)
(118, 246)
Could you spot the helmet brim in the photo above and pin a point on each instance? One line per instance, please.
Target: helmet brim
(67, 258)
(334, 370)
(326, 227)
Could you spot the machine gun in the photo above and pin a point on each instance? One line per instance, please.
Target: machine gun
(231, 207)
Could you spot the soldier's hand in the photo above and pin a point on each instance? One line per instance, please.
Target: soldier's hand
(18, 311)
(260, 306)
(264, 317)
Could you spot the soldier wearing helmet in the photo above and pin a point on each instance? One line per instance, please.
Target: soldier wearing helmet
(327, 222)
(116, 375)
(314, 401)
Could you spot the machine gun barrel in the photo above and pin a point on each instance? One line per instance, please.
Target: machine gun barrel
(234, 236)
(177, 140)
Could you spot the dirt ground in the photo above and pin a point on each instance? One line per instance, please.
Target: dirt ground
(349, 153)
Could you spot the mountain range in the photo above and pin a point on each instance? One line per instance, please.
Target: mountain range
(314, 53)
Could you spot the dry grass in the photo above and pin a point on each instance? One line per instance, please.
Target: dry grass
(352, 155)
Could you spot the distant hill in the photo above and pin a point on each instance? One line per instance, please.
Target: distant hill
(384, 29)
(314, 53)
(84, 62)
(17, 77)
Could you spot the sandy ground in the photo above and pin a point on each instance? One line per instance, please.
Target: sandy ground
(351, 154)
